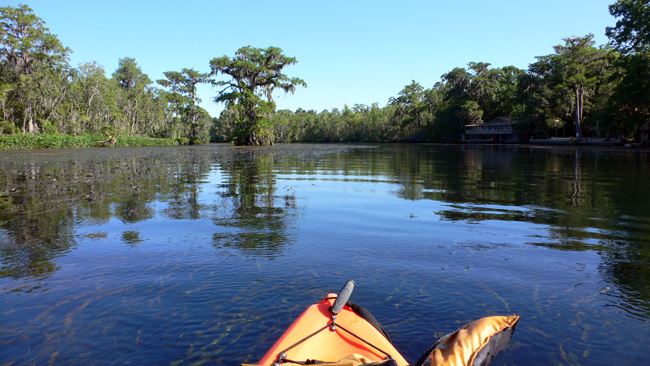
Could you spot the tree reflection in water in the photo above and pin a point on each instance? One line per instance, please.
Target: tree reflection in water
(44, 199)
(137, 245)
(252, 216)
(42, 203)
(587, 200)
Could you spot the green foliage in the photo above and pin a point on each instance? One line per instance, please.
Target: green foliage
(129, 75)
(56, 141)
(145, 141)
(254, 73)
(183, 101)
(7, 128)
(630, 101)
(587, 89)
(632, 31)
(410, 107)
(40, 93)
(629, 106)
(45, 141)
(33, 63)
(49, 129)
(25, 41)
(471, 113)
(568, 80)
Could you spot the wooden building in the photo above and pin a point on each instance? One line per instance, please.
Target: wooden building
(501, 129)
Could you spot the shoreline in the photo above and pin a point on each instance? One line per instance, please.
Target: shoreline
(58, 142)
(614, 145)
(61, 141)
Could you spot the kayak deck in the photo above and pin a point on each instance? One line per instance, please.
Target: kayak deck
(301, 344)
(338, 332)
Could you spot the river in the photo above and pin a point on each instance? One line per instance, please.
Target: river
(204, 255)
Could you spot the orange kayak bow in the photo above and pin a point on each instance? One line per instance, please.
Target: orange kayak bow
(337, 332)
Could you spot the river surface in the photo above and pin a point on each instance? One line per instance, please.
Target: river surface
(205, 255)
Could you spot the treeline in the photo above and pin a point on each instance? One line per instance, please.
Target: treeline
(40, 93)
(579, 90)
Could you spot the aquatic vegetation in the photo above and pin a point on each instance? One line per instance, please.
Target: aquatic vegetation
(13, 142)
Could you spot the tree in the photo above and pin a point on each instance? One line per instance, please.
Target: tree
(480, 81)
(458, 81)
(410, 105)
(541, 102)
(31, 57)
(631, 37)
(255, 74)
(24, 40)
(471, 113)
(129, 75)
(182, 96)
(87, 94)
(507, 101)
(135, 84)
(632, 95)
(578, 65)
(632, 32)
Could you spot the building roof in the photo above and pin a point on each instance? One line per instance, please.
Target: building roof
(496, 121)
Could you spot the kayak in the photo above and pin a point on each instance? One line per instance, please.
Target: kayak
(335, 331)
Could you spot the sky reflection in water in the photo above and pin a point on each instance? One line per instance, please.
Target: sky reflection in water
(204, 254)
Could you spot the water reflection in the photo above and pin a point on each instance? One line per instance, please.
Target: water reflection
(582, 198)
(578, 195)
(188, 248)
(251, 214)
(45, 203)
(132, 237)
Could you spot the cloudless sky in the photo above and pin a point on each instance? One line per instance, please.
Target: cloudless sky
(348, 52)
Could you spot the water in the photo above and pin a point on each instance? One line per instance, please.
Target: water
(204, 255)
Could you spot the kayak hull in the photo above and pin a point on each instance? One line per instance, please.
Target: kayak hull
(352, 335)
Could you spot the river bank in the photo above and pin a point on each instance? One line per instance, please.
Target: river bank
(23, 142)
(565, 142)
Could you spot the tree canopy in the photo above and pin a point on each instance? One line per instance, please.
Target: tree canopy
(632, 31)
(580, 90)
(25, 40)
(183, 98)
(255, 73)
(630, 99)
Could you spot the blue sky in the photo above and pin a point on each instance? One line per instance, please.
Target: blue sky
(348, 52)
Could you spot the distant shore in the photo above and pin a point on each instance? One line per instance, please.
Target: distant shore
(567, 142)
(28, 142)
(58, 141)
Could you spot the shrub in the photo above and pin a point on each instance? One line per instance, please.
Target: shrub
(7, 128)
(58, 141)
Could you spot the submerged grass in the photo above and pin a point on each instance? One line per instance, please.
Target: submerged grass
(17, 142)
